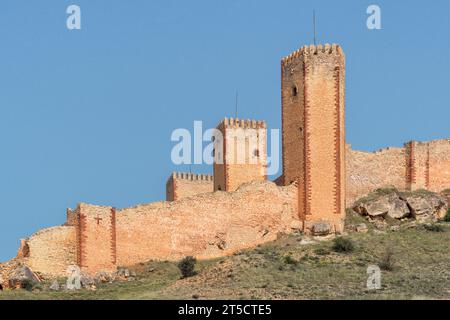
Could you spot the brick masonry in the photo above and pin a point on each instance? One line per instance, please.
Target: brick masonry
(184, 185)
(417, 165)
(313, 105)
(241, 155)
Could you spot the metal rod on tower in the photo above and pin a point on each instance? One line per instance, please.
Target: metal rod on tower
(236, 105)
(314, 25)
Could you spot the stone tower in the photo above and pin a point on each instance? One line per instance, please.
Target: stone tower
(313, 103)
(240, 153)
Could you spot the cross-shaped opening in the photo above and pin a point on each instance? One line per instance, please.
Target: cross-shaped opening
(98, 219)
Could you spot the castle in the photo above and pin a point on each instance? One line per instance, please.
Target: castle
(237, 208)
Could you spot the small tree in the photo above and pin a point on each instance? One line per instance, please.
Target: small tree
(387, 260)
(187, 266)
(342, 244)
(27, 284)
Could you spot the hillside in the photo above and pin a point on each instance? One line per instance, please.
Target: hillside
(293, 268)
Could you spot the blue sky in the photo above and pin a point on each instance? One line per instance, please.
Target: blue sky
(86, 115)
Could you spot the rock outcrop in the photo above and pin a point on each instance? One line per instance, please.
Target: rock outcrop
(421, 205)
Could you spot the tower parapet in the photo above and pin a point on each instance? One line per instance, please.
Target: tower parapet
(182, 185)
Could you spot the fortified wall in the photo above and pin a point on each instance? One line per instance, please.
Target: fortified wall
(207, 225)
(418, 165)
(182, 185)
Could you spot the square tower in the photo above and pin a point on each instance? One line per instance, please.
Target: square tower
(240, 153)
(183, 185)
(313, 104)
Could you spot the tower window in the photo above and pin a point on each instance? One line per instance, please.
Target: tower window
(294, 91)
(256, 153)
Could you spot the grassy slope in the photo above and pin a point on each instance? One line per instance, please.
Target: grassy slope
(422, 270)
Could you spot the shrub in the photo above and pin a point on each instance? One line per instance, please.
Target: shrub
(387, 260)
(342, 244)
(187, 266)
(434, 227)
(27, 284)
(447, 216)
(289, 260)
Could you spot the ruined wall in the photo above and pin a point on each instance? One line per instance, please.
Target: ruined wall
(50, 251)
(313, 98)
(368, 171)
(207, 225)
(183, 185)
(242, 154)
(418, 165)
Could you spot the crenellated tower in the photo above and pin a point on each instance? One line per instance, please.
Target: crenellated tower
(240, 153)
(313, 104)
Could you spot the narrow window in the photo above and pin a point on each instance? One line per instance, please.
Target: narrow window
(294, 91)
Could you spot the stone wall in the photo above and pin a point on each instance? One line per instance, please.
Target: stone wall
(418, 165)
(429, 165)
(367, 171)
(50, 251)
(207, 225)
(184, 185)
(96, 238)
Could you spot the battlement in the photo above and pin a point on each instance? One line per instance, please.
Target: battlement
(242, 123)
(428, 143)
(192, 176)
(327, 49)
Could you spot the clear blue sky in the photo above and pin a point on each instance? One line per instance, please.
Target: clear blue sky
(86, 116)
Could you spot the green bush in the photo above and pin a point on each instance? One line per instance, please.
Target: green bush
(187, 267)
(342, 244)
(387, 260)
(447, 216)
(27, 284)
(289, 260)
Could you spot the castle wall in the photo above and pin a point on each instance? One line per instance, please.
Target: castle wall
(313, 97)
(50, 251)
(368, 171)
(244, 153)
(207, 225)
(184, 185)
(418, 165)
(96, 238)
(429, 165)
(439, 165)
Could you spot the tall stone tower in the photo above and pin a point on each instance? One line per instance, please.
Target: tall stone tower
(240, 153)
(313, 103)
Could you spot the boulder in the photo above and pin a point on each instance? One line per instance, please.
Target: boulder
(87, 282)
(383, 205)
(321, 229)
(426, 206)
(21, 275)
(55, 286)
(362, 227)
(103, 277)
